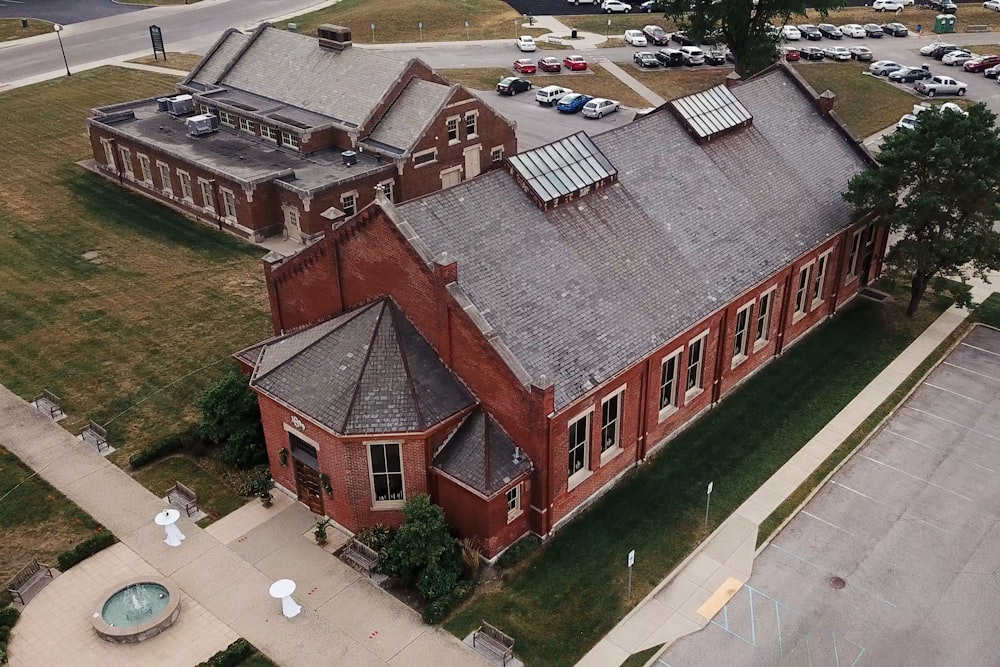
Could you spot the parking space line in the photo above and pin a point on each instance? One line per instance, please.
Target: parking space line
(826, 569)
(969, 370)
(920, 479)
(980, 465)
(832, 525)
(982, 349)
(948, 421)
(955, 393)
(914, 440)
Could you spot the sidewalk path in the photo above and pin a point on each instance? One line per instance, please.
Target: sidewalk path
(228, 568)
(633, 83)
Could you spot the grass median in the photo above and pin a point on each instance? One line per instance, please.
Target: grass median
(573, 592)
(11, 29)
(181, 61)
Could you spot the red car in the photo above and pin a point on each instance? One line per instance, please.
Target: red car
(574, 63)
(982, 63)
(791, 55)
(550, 64)
(525, 66)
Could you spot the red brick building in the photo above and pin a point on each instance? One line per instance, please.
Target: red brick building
(277, 133)
(545, 328)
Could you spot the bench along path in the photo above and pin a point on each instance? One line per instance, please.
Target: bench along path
(360, 625)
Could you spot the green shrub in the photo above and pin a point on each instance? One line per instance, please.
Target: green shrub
(518, 551)
(234, 654)
(377, 537)
(230, 418)
(8, 617)
(421, 540)
(85, 549)
(188, 440)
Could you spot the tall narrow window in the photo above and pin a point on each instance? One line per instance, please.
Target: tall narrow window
(741, 337)
(229, 203)
(165, 183)
(186, 191)
(470, 126)
(819, 280)
(579, 444)
(763, 318)
(852, 259)
(387, 189)
(452, 130)
(800, 293)
(109, 154)
(668, 381)
(126, 161)
(387, 472)
(611, 419)
(696, 358)
(207, 198)
(513, 502)
(349, 203)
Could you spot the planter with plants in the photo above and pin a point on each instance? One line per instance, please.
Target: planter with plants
(319, 532)
(262, 487)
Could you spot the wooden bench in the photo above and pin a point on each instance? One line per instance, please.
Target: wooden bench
(48, 403)
(28, 576)
(553, 40)
(95, 433)
(496, 642)
(977, 28)
(361, 555)
(179, 494)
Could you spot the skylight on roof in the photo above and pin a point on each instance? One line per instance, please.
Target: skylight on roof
(712, 112)
(562, 167)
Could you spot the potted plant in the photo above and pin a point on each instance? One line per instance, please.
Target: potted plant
(319, 532)
(263, 487)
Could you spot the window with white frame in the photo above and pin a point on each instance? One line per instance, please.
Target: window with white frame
(292, 217)
(668, 381)
(186, 192)
(870, 234)
(453, 130)
(741, 337)
(763, 318)
(471, 127)
(289, 139)
(611, 421)
(248, 125)
(269, 133)
(349, 203)
(226, 118)
(579, 445)
(206, 110)
(387, 189)
(819, 280)
(387, 472)
(207, 197)
(425, 157)
(696, 362)
(801, 292)
(147, 173)
(496, 155)
(513, 502)
(165, 183)
(228, 203)
(126, 161)
(852, 259)
(109, 154)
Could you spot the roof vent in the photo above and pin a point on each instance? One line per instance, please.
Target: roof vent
(562, 170)
(711, 113)
(349, 158)
(180, 105)
(334, 37)
(162, 104)
(202, 124)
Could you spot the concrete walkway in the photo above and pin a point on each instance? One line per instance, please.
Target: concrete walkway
(690, 596)
(227, 568)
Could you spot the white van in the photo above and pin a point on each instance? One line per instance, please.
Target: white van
(549, 95)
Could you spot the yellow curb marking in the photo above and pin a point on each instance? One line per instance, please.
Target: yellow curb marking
(720, 598)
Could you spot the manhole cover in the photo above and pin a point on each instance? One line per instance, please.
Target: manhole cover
(837, 583)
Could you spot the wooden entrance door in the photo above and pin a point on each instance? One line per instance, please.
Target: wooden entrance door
(308, 487)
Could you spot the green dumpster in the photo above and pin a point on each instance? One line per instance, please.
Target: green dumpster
(943, 23)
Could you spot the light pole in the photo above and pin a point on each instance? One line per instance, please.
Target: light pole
(58, 28)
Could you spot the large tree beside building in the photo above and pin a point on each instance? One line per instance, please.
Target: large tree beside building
(938, 191)
(742, 25)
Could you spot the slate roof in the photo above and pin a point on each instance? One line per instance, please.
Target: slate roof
(481, 455)
(365, 371)
(581, 292)
(212, 66)
(403, 124)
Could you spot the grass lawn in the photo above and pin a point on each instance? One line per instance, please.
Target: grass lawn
(161, 2)
(968, 14)
(674, 82)
(215, 498)
(598, 23)
(573, 592)
(135, 336)
(988, 312)
(184, 61)
(444, 20)
(599, 82)
(36, 520)
(11, 29)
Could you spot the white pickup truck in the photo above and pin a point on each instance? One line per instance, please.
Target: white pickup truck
(940, 85)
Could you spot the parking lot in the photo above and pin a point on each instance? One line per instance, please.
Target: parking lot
(896, 561)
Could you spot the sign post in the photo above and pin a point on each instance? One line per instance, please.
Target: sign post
(708, 501)
(466, 30)
(373, 33)
(608, 31)
(156, 36)
(631, 562)
(420, 25)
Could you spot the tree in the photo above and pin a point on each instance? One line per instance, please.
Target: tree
(744, 26)
(230, 417)
(939, 187)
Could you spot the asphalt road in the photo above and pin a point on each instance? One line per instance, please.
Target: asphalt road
(896, 561)
(64, 11)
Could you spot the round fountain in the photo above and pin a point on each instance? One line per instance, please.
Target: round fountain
(137, 610)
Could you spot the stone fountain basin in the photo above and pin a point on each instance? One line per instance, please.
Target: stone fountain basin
(148, 628)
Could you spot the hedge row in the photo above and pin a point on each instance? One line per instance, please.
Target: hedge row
(8, 617)
(86, 549)
(161, 448)
(237, 653)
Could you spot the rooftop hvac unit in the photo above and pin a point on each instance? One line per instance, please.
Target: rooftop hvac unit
(180, 105)
(162, 104)
(202, 124)
(349, 157)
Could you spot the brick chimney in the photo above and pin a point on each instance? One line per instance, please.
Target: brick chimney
(826, 100)
(334, 37)
(733, 79)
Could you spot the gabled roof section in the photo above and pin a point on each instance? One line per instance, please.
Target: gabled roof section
(364, 372)
(218, 59)
(711, 112)
(563, 168)
(481, 455)
(403, 124)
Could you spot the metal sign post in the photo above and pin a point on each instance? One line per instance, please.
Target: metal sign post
(156, 36)
(708, 502)
(516, 22)
(421, 27)
(466, 30)
(608, 31)
(373, 33)
(631, 562)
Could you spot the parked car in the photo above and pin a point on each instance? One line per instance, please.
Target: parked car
(792, 55)
(910, 74)
(895, 29)
(656, 35)
(635, 38)
(512, 85)
(887, 6)
(682, 39)
(951, 106)
(837, 52)
(575, 63)
(853, 30)
(940, 85)
(810, 32)
(907, 122)
(550, 64)
(692, 56)
(831, 31)
(572, 103)
(790, 33)
(992, 72)
(670, 57)
(934, 49)
(526, 43)
(957, 57)
(615, 7)
(811, 53)
(525, 66)
(650, 6)
(550, 95)
(872, 30)
(981, 64)
(992, 4)
(599, 107)
(716, 57)
(860, 53)
(589, 2)
(884, 67)
(645, 59)
(944, 6)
